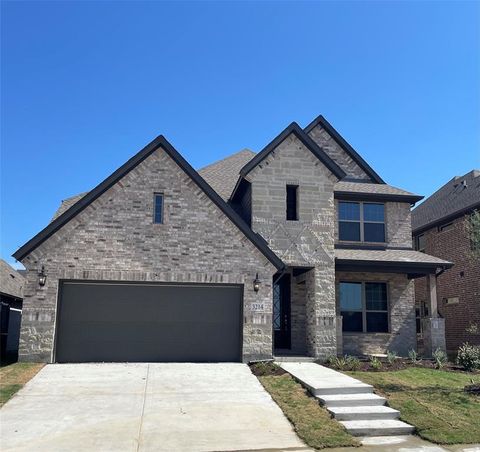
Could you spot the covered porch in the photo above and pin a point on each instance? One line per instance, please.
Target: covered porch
(375, 301)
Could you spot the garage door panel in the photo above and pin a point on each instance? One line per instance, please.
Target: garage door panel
(119, 322)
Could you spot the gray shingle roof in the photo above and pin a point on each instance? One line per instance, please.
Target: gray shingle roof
(457, 195)
(67, 203)
(399, 256)
(223, 175)
(377, 189)
(11, 282)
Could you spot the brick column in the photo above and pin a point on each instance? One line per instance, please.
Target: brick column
(320, 312)
(339, 335)
(433, 327)
(433, 335)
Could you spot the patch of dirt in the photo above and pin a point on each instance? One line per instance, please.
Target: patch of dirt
(266, 368)
(472, 389)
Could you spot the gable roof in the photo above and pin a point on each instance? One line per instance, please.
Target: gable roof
(159, 142)
(11, 282)
(295, 129)
(355, 156)
(458, 196)
(223, 174)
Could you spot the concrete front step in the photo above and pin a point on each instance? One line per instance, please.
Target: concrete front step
(354, 389)
(364, 413)
(294, 359)
(351, 400)
(321, 380)
(388, 427)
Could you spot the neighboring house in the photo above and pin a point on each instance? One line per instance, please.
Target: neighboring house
(440, 228)
(11, 298)
(299, 249)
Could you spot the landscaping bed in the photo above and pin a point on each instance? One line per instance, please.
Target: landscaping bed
(14, 376)
(434, 401)
(312, 423)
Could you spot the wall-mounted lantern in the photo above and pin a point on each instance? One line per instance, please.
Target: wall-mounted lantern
(42, 277)
(256, 284)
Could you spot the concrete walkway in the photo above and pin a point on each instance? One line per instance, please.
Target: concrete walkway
(144, 407)
(349, 400)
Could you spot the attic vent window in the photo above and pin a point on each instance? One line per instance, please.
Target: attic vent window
(292, 202)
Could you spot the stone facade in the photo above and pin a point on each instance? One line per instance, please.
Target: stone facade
(308, 242)
(336, 153)
(115, 239)
(401, 300)
(433, 335)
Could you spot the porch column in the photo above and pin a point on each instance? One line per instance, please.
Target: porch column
(433, 326)
(432, 295)
(320, 312)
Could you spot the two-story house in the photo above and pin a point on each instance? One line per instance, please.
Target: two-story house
(442, 227)
(299, 249)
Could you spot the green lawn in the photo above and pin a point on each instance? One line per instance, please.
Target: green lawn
(311, 422)
(431, 400)
(14, 376)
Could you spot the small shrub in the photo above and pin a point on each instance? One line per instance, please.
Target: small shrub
(469, 357)
(440, 358)
(331, 360)
(391, 357)
(375, 363)
(345, 362)
(353, 363)
(413, 355)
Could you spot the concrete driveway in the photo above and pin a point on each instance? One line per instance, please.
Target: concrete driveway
(144, 407)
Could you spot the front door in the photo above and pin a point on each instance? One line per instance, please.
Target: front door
(281, 313)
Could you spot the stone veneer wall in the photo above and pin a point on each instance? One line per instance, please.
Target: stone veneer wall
(336, 153)
(398, 229)
(114, 238)
(298, 315)
(308, 242)
(402, 335)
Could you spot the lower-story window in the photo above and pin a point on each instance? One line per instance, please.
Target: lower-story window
(364, 307)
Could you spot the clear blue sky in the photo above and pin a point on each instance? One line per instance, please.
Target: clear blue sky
(86, 84)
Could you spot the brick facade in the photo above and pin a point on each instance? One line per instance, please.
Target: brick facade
(336, 153)
(462, 281)
(401, 301)
(114, 238)
(398, 229)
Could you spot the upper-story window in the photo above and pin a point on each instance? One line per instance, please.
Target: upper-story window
(361, 221)
(292, 202)
(158, 208)
(419, 243)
